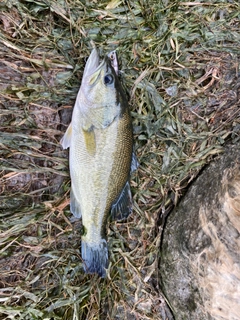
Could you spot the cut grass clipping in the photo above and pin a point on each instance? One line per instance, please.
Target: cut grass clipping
(180, 68)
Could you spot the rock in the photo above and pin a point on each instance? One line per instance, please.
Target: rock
(200, 251)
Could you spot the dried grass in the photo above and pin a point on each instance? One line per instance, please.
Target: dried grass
(180, 63)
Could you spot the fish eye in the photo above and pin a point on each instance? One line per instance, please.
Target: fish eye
(108, 79)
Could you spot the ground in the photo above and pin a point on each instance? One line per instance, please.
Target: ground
(179, 65)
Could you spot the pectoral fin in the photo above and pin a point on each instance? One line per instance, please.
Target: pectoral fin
(122, 208)
(66, 139)
(75, 205)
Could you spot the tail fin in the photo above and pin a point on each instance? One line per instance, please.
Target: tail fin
(95, 257)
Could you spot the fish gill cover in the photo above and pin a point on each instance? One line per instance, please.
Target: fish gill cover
(179, 64)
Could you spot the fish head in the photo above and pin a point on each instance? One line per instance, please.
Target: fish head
(100, 84)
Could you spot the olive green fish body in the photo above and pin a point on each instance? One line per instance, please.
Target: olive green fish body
(100, 164)
(101, 144)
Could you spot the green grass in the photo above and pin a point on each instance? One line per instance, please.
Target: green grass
(180, 67)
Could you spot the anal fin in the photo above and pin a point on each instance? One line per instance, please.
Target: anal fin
(75, 205)
(122, 207)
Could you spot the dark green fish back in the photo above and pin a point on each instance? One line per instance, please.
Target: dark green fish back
(120, 171)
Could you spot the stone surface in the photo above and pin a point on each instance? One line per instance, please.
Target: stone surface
(200, 252)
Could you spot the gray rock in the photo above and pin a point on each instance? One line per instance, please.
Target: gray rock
(200, 252)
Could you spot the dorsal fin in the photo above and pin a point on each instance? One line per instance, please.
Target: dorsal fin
(122, 207)
(134, 163)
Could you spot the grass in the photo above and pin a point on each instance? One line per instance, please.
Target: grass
(180, 67)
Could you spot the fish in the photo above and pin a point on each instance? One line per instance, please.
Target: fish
(101, 158)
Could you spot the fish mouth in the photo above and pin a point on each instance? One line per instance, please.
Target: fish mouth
(92, 63)
(94, 67)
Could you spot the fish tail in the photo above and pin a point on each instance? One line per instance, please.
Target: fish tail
(95, 257)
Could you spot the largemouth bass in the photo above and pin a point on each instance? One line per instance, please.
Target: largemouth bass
(101, 157)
